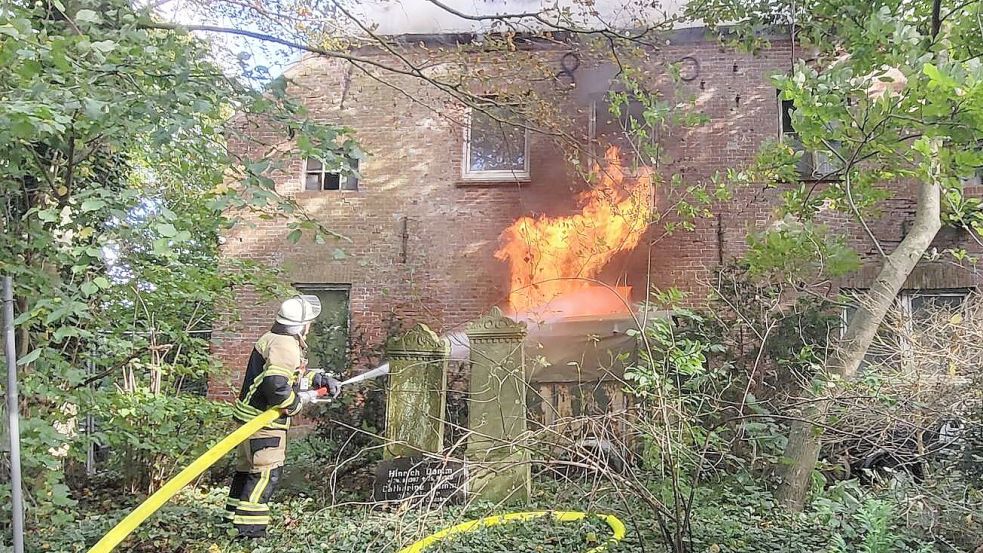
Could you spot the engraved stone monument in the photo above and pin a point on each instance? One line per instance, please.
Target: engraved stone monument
(417, 393)
(498, 463)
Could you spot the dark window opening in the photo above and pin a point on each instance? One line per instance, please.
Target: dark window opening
(787, 109)
(618, 119)
(814, 164)
(328, 341)
(317, 177)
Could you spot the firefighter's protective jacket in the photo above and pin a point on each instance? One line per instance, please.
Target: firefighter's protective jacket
(270, 380)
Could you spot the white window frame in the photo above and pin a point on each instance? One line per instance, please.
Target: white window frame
(903, 303)
(324, 172)
(497, 175)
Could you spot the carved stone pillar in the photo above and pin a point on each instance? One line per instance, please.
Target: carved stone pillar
(498, 463)
(417, 393)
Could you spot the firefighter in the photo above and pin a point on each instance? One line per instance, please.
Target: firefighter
(272, 380)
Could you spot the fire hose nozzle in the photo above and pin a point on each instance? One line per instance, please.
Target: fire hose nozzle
(315, 379)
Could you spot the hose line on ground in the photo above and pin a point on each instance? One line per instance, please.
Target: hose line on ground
(617, 527)
(183, 478)
(126, 526)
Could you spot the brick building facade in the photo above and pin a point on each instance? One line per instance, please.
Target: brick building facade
(423, 238)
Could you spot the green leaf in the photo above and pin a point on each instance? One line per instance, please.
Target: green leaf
(89, 288)
(10, 31)
(166, 230)
(93, 108)
(87, 16)
(161, 246)
(101, 282)
(939, 78)
(295, 235)
(29, 358)
(92, 204)
(65, 332)
(104, 46)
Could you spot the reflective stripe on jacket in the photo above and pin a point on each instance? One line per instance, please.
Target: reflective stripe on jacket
(270, 379)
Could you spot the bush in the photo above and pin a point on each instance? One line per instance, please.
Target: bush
(539, 535)
(734, 516)
(151, 437)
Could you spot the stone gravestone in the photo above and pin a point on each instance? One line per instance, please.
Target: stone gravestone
(417, 393)
(426, 480)
(498, 464)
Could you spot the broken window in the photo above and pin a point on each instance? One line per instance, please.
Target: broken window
(496, 145)
(328, 340)
(813, 165)
(318, 177)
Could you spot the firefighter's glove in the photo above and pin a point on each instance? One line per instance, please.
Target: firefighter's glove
(323, 380)
(310, 396)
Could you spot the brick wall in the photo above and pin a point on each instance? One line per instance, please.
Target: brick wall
(443, 271)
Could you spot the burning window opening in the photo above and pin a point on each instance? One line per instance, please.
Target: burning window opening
(554, 262)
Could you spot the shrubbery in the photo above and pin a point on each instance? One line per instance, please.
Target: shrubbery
(732, 516)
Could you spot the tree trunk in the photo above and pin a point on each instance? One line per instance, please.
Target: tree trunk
(802, 450)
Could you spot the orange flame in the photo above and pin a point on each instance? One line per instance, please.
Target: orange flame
(549, 257)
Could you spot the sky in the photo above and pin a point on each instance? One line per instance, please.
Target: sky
(399, 17)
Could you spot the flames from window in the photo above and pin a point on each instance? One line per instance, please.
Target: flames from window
(553, 260)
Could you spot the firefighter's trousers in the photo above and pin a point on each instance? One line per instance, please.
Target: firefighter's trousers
(258, 467)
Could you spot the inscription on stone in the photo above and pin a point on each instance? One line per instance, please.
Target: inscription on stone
(420, 479)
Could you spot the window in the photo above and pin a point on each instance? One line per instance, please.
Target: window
(814, 165)
(975, 179)
(327, 342)
(887, 349)
(318, 177)
(495, 149)
(906, 326)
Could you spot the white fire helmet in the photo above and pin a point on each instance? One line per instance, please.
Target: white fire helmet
(299, 310)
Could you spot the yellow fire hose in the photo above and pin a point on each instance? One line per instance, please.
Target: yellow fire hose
(126, 526)
(183, 478)
(617, 527)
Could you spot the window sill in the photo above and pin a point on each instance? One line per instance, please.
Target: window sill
(491, 178)
(807, 178)
(491, 183)
(318, 193)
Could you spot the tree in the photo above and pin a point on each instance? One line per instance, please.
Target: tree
(115, 185)
(895, 96)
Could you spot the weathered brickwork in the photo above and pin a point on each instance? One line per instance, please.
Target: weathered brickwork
(420, 241)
